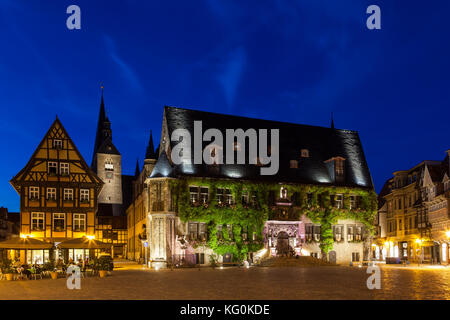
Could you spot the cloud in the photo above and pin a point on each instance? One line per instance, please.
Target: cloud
(127, 72)
(231, 73)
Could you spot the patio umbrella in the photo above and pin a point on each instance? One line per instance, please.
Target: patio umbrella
(83, 243)
(25, 243)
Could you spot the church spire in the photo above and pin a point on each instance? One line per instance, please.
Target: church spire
(150, 153)
(332, 120)
(137, 171)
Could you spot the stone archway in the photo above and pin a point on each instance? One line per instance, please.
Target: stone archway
(282, 243)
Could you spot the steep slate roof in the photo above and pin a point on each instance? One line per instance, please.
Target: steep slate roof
(162, 168)
(323, 144)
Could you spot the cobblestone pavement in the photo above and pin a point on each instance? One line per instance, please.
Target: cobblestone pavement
(238, 283)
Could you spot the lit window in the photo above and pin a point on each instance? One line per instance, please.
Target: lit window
(228, 197)
(79, 222)
(34, 193)
(245, 197)
(59, 221)
(305, 153)
(52, 168)
(339, 168)
(350, 233)
(293, 164)
(219, 195)
(338, 231)
(68, 194)
(204, 195)
(339, 201)
(64, 169)
(193, 191)
(51, 193)
(84, 195)
(37, 221)
(283, 193)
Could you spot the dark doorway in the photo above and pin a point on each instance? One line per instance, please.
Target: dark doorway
(282, 243)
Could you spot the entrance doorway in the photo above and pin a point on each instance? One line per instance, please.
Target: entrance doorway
(282, 243)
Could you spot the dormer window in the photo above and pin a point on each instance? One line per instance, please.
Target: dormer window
(57, 144)
(339, 168)
(293, 164)
(305, 153)
(109, 166)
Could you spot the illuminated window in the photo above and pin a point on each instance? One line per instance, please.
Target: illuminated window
(37, 221)
(305, 153)
(57, 144)
(204, 195)
(293, 164)
(52, 168)
(51, 193)
(339, 201)
(59, 221)
(68, 194)
(79, 222)
(193, 191)
(283, 193)
(337, 233)
(64, 169)
(84, 195)
(34, 193)
(350, 233)
(339, 168)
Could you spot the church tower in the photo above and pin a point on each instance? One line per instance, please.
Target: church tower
(107, 163)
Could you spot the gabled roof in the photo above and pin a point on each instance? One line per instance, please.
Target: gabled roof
(59, 128)
(323, 143)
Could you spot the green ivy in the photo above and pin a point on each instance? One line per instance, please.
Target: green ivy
(252, 217)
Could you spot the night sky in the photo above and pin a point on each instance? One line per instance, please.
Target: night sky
(294, 61)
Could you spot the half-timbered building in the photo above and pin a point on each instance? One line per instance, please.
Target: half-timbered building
(58, 196)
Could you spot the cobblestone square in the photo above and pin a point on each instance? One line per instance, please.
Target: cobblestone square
(237, 283)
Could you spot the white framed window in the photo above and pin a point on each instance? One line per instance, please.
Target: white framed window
(52, 168)
(305, 153)
(350, 233)
(64, 169)
(109, 165)
(51, 193)
(84, 195)
(57, 144)
(204, 195)
(37, 221)
(79, 222)
(34, 193)
(59, 221)
(339, 201)
(245, 198)
(193, 192)
(68, 194)
(228, 197)
(283, 193)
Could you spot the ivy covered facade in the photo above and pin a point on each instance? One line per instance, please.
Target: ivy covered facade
(321, 202)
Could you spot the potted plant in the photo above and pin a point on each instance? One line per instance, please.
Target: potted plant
(105, 265)
(8, 269)
(50, 267)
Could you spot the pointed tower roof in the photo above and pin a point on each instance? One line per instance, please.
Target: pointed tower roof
(103, 138)
(150, 153)
(162, 168)
(332, 121)
(137, 171)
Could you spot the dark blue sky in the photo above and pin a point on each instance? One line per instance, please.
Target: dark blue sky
(293, 61)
